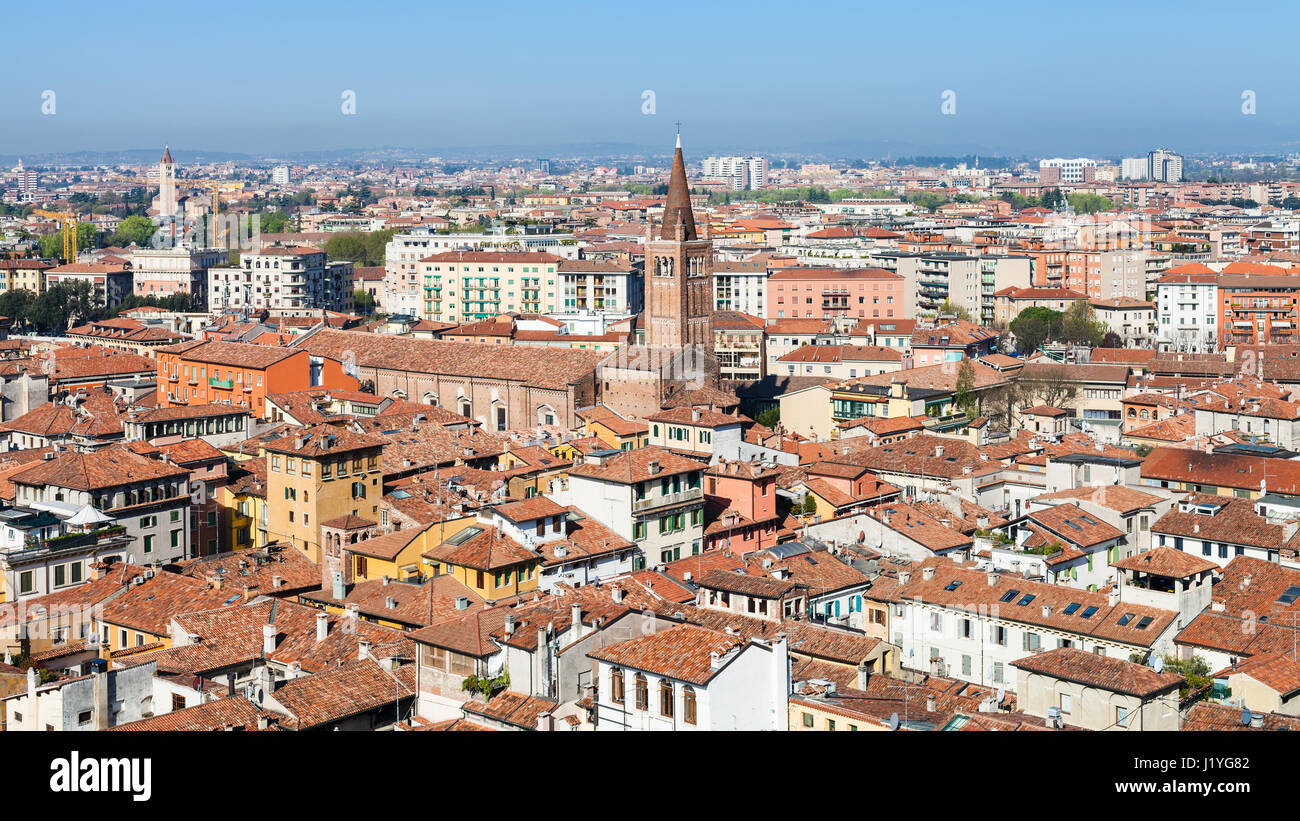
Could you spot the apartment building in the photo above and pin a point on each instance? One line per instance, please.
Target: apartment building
(460, 286)
(242, 374)
(737, 173)
(594, 286)
(164, 272)
(1259, 309)
(290, 280)
(404, 290)
(318, 474)
(740, 286)
(1187, 310)
(816, 293)
(650, 496)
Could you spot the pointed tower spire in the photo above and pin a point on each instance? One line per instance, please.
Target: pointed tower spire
(167, 155)
(677, 208)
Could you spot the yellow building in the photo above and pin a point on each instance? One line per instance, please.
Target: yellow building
(23, 273)
(487, 561)
(319, 473)
(612, 429)
(242, 504)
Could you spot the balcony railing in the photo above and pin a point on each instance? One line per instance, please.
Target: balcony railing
(687, 495)
(221, 383)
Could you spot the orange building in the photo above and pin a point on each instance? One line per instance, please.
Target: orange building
(1258, 309)
(241, 374)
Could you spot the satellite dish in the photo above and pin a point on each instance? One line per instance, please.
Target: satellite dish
(1158, 664)
(1245, 716)
(1002, 694)
(893, 721)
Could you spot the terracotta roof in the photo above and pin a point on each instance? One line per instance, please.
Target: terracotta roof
(683, 653)
(1093, 670)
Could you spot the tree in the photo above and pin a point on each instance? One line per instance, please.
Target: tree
(809, 504)
(364, 302)
(948, 309)
(964, 397)
(1034, 326)
(1079, 325)
(1112, 340)
(134, 229)
(1050, 385)
(1195, 669)
(769, 418)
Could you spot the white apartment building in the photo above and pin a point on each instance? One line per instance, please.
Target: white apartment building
(282, 278)
(280, 175)
(650, 496)
(595, 286)
(463, 286)
(1133, 168)
(739, 173)
(1187, 312)
(954, 620)
(1164, 165)
(740, 286)
(402, 293)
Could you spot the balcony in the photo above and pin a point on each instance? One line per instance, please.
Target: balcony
(669, 500)
(214, 382)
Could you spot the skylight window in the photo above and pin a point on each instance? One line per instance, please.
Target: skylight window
(1071, 608)
(1289, 595)
(1009, 595)
(1028, 597)
(952, 585)
(1087, 612)
(1126, 618)
(1145, 622)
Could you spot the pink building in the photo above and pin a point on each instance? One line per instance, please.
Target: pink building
(817, 293)
(740, 507)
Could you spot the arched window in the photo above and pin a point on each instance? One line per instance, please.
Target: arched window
(666, 697)
(688, 704)
(546, 415)
(642, 692)
(1143, 414)
(616, 686)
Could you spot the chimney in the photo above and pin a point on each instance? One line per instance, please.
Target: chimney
(268, 639)
(927, 573)
(462, 602)
(904, 577)
(322, 626)
(338, 591)
(695, 414)
(510, 624)
(993, 578)
(99, 671)
(864, 675)
(938, 451)
(363, 649)
(1114, 596)
(545, 722)
(277, 582)
(384, 581)
(617, 594)
(1047, 611)
(390, 603)
(930, 704)
(575, 615)
(653, 467)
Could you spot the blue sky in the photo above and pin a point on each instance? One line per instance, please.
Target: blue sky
(1099, 78)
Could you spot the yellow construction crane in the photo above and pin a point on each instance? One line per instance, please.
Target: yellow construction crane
(68, 222)
(217, 187)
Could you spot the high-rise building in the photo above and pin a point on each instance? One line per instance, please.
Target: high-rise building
(739, 173)
(280, 175)
(1164, 165)
(167, 185)
(1133, 168)
(679, 271)
(26, 179)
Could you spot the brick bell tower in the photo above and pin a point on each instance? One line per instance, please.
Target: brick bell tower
(678, 271)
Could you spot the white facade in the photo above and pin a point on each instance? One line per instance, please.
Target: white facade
(739, 173)
(1187, 316)
(748, 691)
(1164, 165)
(280, 175)
(1133, 168)
(740, 290)
(1072, 171)
(282, 279)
